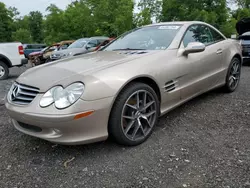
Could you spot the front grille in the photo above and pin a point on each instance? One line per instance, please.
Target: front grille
(55, 56)
(30, 127)
(22, 94)
(246, 48)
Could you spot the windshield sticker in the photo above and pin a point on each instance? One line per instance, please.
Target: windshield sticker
(174, 27)
(160, 48)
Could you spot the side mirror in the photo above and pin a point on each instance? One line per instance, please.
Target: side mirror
(88, 47)
(194, 47)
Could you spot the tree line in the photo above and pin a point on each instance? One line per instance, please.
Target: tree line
(85, 18)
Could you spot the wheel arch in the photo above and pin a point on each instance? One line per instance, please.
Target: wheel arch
(146, 79)
(6, 60)
(239, 57)
(142, 79)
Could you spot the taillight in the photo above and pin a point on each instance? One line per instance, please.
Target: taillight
(20, 50)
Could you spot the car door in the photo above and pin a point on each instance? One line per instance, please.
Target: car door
(201, 70)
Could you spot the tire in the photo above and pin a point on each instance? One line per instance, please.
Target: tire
(128, 124)
(4, 71)
(48, 60)
(230, 87)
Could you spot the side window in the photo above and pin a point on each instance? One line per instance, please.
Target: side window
(63, 47)
(99, 42)
(105, 43)
(198, 33)
(92, 43)
(216, 36)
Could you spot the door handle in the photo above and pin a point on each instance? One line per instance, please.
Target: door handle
(219, 51)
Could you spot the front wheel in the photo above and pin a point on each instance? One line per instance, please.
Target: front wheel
(4, 71)
(233, 75)
(134, 114)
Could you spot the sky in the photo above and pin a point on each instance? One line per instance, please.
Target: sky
(25, 6)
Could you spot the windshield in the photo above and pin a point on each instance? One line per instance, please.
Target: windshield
(43, 50)
(78, 44)
(147, 38)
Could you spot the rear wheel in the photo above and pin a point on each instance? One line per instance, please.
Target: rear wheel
(4, 71)
(48, 60)
(134, 114)
(233, 75)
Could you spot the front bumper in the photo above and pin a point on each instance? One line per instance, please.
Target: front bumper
(59, 126)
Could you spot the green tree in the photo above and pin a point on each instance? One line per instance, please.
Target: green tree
(241, 13)
(5, 24)
(36, 26)
(79, 21)
(111, 17)
(22, 35)
(214, 12)
(54, 25)
(242, 3)
(23, 23)
(14, 13)
(150, 10)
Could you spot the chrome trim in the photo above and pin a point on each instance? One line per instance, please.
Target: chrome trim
(22, 94)
(170, 86)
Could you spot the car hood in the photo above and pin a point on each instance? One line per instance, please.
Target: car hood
(73, 69)
(243, 26)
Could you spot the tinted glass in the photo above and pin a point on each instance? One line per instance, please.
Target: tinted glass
(198, 33)
(147, 38)
(216, 36)
(92, 43)
(34, 46)
(78, 44)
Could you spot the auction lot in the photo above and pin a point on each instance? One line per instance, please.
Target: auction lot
(204, 143)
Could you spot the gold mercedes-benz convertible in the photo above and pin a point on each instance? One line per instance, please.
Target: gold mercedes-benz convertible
(121, 90)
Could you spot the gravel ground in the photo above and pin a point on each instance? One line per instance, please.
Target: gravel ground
(204, 143)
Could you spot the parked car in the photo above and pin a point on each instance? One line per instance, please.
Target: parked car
(100, 46)
(80, 46)
(29, 48)
(104, 43)
(42, 56)
(243, 29)
(11, 55)
(122, 89)
(37, 58)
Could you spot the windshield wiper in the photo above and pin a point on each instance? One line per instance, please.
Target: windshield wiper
(128, 49)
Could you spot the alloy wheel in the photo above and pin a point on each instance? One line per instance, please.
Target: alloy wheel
(2, 71)
(139, 115)
(234, 76)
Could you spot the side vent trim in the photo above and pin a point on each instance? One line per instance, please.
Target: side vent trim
(170, 86)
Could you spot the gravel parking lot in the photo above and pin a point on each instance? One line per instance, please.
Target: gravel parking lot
(204, 143)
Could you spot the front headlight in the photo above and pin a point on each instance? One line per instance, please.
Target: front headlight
(62, 98)
(48, 97)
